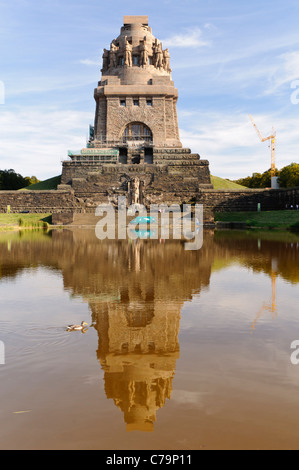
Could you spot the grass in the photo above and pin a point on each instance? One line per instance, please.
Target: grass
(47, 185)
(283, 220)
(24, 221)
(52, 183)
(284, 236)
(220, 183)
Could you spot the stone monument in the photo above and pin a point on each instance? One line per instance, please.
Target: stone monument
(135, 133)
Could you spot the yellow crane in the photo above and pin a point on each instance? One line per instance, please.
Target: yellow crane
(271, 137)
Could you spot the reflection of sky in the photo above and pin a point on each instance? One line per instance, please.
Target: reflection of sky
(35, 310)
(235, 296)
(216, 335)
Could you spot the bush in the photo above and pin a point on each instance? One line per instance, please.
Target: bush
(294, 227)
(252, 223)
(42, 224)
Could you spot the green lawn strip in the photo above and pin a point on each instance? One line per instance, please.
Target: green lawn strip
(24, 221)
(272, 219)
(285, 236)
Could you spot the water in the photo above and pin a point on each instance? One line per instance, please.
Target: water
(184, 350)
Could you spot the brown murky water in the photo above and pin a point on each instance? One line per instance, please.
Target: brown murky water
(184, 350)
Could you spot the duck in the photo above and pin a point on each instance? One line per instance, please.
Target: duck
(77, 327)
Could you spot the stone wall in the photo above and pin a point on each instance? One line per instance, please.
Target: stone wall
(37, 201)
(287, 197)
(235, 201)
(161, 117)
(74, 201)
(177, 166)
(246, 200)
(232, 201)
(174, 177)
(100, 119)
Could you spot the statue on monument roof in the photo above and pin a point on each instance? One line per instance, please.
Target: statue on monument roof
(128, 53)
(113, 58)
(158, 55)
(105, 60)
(143, 53)
(166, 60)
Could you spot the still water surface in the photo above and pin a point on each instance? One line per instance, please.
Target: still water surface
(184, 350)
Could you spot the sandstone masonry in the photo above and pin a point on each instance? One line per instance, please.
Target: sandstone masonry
(64, 204)
(134, 148)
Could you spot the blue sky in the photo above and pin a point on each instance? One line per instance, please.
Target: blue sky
(229, 59)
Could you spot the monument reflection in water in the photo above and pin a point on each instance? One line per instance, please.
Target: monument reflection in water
(136, 293)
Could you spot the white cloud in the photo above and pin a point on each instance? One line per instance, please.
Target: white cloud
(286, 70)
(33, 142)
(187, 397)
(231, 145)
(189, 39)
(259, 65)
(38, 84)
(89, 62)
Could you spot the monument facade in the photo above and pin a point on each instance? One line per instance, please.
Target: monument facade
(135, 142)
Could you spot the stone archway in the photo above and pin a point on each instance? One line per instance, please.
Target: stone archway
(137, 132)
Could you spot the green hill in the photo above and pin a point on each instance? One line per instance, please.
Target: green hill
(50, 184)
(220, 183)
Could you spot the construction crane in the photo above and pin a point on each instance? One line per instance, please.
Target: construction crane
(273, 140)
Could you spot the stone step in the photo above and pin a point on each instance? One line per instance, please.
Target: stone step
(171, 151)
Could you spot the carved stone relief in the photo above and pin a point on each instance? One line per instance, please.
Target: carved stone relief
(144, 55)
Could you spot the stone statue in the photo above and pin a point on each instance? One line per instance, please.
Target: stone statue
(143, 53)
(135, 191)
(128, 53)
(166, 61)
(158, 55)
(113, 59)
(105, 60)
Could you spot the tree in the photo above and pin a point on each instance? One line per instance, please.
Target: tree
(10, 180)
(254, 181)
(265, 180)
(32, 180)
(289, 176)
